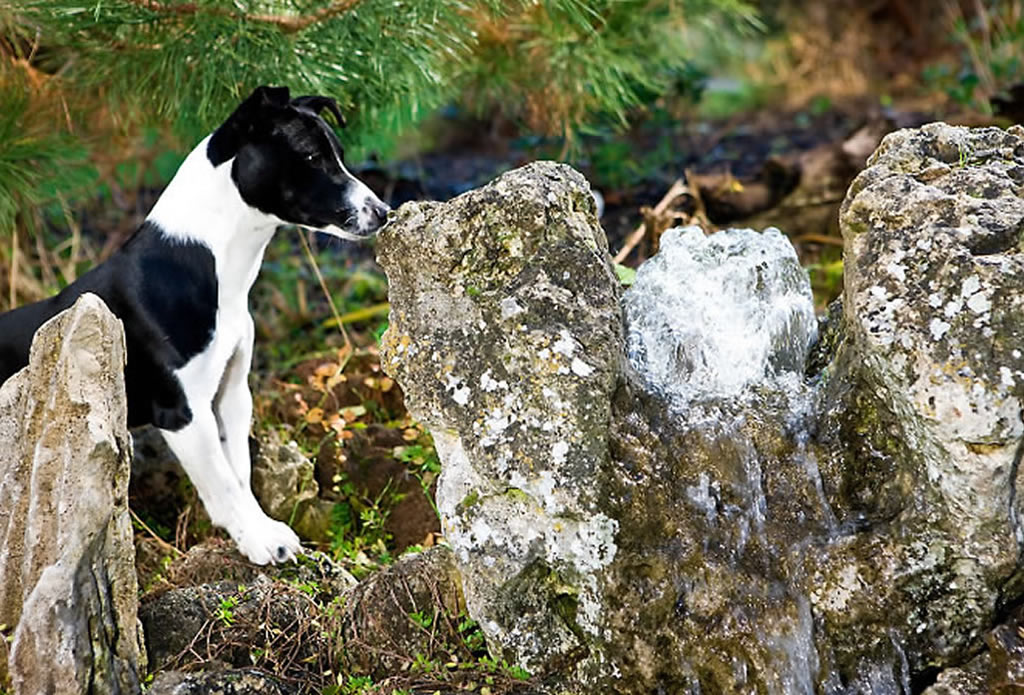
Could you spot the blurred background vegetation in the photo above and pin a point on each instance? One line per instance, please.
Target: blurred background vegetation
(102, 98)
(716, 112)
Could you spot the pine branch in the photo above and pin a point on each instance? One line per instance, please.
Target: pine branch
(288, 25)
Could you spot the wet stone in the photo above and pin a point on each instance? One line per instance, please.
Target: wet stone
(639, 510)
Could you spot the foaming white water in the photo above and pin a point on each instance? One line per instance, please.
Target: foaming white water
(709, 316)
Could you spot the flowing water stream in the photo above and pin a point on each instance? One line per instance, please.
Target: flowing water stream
(719, 328)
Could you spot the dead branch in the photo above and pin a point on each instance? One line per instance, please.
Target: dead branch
(678, 188)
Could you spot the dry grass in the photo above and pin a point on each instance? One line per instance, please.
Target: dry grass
(842, 49)
(43, 245)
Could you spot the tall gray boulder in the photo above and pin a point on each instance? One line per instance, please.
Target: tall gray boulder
(926, 398)
(67, 571)
(506, 335)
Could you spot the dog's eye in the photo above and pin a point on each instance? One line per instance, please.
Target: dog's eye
(311, 157)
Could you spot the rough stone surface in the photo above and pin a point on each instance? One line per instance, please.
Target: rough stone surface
(505, 333)
(925, 393)
(853, 532)
(379, 636)
(244, 681)
(970, 679)
(260, 599)
(283, 481)
(67, 576)
(999, 670)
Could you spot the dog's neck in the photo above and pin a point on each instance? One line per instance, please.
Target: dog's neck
(202, 204)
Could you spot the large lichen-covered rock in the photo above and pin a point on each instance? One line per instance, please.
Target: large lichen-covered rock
(506, 335)
(926, 393)
(67, 575)
(715, 524)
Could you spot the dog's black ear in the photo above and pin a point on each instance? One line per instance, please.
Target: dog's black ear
(244, 122)
(268, 96)
(316, 104)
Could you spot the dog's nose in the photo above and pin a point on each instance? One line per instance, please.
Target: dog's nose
(379, 211)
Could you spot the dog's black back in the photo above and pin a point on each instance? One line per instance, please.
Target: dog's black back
(165, 293)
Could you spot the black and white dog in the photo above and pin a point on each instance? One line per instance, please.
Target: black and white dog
(180, 286)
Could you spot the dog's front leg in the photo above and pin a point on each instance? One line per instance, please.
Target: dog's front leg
(233, 407)
(229, 504)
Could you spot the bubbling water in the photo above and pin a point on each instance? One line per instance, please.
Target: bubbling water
(709, 316)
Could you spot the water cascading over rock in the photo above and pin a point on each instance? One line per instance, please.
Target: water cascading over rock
(716, 477)
(709, 316)
(704, 517)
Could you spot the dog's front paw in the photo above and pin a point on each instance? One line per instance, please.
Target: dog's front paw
(265, 541)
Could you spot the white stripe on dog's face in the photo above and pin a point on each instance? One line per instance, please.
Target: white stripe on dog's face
(370, 211)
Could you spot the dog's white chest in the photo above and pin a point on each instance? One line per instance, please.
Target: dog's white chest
(233, 333)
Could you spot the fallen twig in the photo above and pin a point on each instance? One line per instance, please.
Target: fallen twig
(367, 312)
(160, 541)
(677, 189)
(813, 238)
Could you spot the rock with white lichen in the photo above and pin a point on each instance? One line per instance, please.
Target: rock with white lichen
(506, 335)
(926, 397)
(639, 507)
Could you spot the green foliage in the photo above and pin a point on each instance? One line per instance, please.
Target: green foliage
(226, 611)
(36, 163)
(357, 531)
(827, 277)
(988, 45)
(424, 465)
(188, 63)
(625, 274)
(353, 685)
(90, 71)
(422, 619)
(472, 636)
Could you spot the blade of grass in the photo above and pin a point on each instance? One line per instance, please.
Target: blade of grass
(359, 314)
(327, 294)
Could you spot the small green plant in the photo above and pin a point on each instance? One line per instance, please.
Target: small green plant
(625, 274)
(471, 635)
(423, 463)
(357, 531)
(422, 619)
(357, 685)
(226, 611)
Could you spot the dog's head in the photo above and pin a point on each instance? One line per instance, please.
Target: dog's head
(287, 162)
